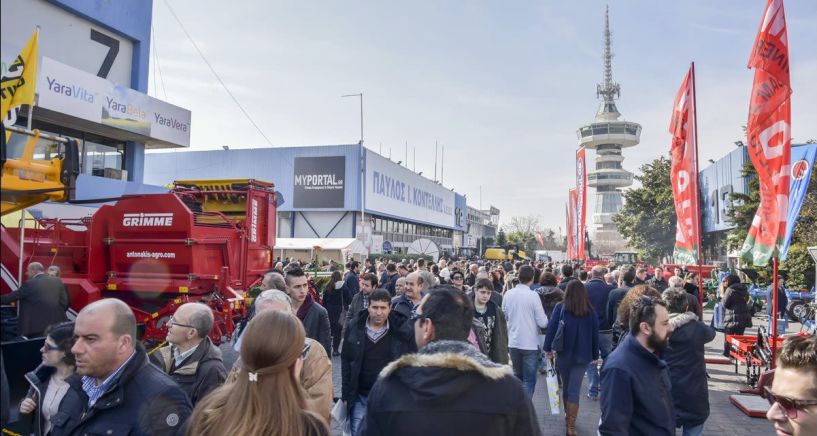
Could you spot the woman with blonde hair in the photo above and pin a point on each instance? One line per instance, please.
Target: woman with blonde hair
(266, 398)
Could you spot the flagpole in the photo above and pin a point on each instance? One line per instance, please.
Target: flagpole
(698, 193)
(31, 106)
(774, 311)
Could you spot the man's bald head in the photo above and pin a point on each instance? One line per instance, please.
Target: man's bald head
(123, 321)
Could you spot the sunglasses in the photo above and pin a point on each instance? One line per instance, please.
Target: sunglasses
(790, 406)
(415, 316)
(305, 350)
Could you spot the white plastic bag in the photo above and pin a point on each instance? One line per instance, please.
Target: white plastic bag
(554, 391)
(341, 415)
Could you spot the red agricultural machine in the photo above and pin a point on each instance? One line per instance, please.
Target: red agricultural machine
(206, 240)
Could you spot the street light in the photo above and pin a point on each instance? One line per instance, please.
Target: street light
(360, 94)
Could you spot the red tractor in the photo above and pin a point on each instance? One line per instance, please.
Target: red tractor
(206, 240)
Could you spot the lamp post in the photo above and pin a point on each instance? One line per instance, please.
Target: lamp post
(362, 171)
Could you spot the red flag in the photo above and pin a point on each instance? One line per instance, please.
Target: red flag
(569, 246)
(572, 236)
(769, 135)
(684, 173)
(581, 202)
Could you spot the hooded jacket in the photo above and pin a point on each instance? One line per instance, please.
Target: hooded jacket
(498, 351)
(635, 393)
(142, 401)
(198, 374)
(687, 368)
(736, 312)
(39, 380)
(448, 388)
(550, 296)
(354, 340)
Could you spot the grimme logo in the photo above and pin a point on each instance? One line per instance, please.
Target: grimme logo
(147, 219)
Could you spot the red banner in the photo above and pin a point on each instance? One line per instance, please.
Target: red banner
(684, 173)
(769, 135)
(572, 236)
(581, 202)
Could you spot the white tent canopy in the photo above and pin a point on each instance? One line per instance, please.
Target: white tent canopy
(337, 249)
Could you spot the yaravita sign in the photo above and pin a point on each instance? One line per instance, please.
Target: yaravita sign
(74, 92)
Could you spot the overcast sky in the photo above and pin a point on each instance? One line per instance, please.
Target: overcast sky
(502, 85)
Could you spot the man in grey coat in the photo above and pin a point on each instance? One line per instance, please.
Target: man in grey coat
(42, 299)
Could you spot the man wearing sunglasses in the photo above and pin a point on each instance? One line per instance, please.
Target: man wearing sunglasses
(793, 395)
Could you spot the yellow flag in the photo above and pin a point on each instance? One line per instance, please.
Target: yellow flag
(17, 85)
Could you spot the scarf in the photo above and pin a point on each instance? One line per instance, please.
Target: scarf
(304, 309)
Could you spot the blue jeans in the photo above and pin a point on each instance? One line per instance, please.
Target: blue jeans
(524, 368)
(358, 413)
(694, 430)
(593, 379)
(571, 376)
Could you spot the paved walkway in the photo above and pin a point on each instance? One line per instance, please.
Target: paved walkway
(724, 419)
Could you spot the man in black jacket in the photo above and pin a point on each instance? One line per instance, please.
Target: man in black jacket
(116, 391)
(312, 314)
(191, 359)
(685, 358)
(567, 276)
(448, 387)
(390, 279)
(350, 279)
(635, 387)
(374, 337)
(614, 299)
(42, 299)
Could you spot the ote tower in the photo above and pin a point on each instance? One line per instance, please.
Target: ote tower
(607, 135)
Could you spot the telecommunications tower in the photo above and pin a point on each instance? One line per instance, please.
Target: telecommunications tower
(607, 135)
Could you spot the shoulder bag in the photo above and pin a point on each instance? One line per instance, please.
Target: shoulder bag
(558, 344)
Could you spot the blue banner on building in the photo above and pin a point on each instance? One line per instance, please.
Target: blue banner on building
(802, 162)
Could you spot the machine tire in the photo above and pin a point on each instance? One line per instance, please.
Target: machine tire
(795, 309)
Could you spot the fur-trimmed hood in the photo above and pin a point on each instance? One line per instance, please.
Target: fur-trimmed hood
(443, 370)
(677, 320)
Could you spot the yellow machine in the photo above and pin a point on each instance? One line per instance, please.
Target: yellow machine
(36, 167)
(504, 253)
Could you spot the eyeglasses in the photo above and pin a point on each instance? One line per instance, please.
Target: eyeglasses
(790, 406)
(171, 322)
(456, 278)
(305, 350)
(49, 347)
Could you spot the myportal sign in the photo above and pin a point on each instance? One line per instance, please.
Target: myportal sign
(74, 92)
(396, 191)
(319, 182)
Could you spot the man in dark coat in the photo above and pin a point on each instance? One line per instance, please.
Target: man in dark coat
(314, 317)
(42, 299)
(448, 387)
(350, 279)
(598, 292)
(390, 279)
(614, 299)
(687, 367)
(116, 391)
(567, 276)
(636, 399)
(191, 359)
(375, 337)
(736, 313)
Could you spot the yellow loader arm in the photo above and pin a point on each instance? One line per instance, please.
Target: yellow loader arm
(36, 167)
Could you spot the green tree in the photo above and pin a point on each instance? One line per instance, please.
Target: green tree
(501, 239)
(647, 219)
(742, 208)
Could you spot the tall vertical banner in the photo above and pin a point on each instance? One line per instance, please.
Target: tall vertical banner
(572, 231)
(769, 135)
(17, 86)
(568, 246)
(684, 172)
(581, 202)
(802, 165)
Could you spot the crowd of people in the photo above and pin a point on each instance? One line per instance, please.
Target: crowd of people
(440, 348)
